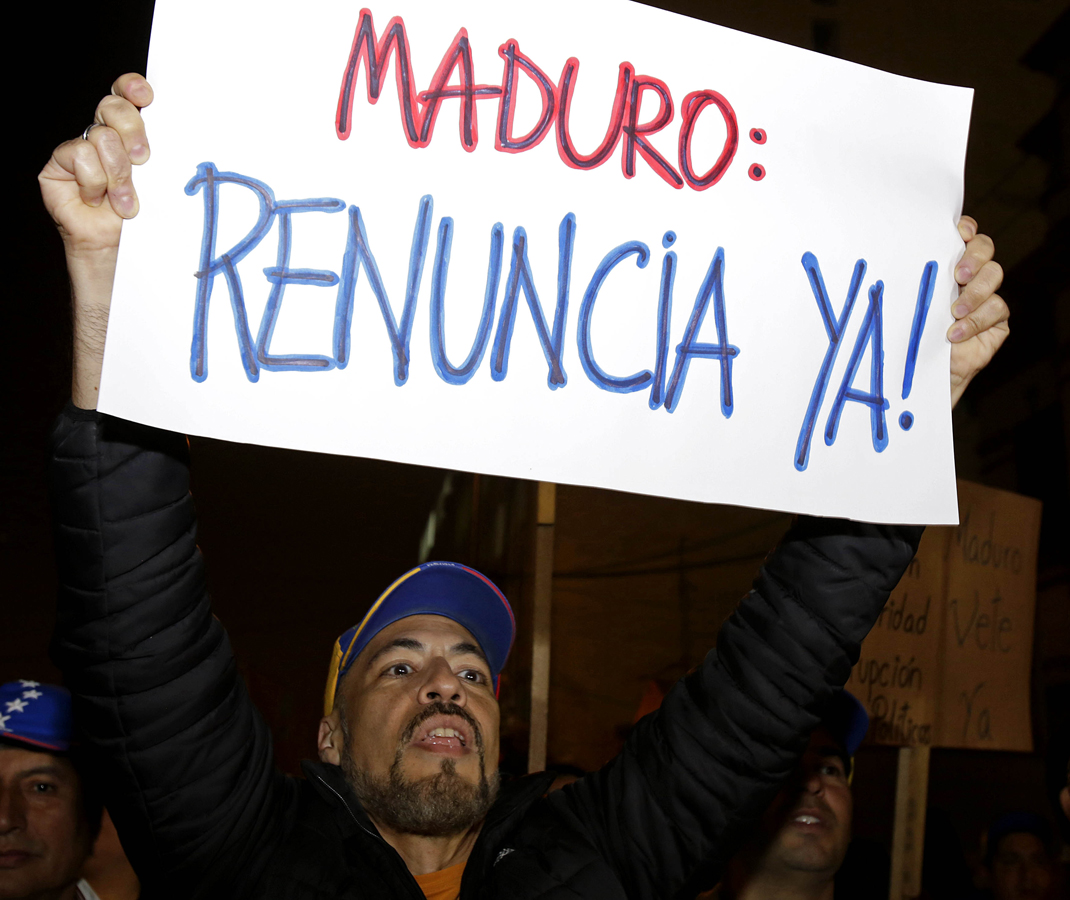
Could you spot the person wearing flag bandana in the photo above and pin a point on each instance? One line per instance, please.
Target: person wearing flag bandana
(48, 816)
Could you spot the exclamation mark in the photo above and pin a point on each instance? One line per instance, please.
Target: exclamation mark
(921, 312)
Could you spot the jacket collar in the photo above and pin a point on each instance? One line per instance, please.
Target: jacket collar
(329, 782)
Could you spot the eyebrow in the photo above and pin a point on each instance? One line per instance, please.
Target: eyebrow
(469, 647)
(397, 643)
(52, 770)
(404, 643)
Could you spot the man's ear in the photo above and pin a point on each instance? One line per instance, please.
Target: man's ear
(330, 740)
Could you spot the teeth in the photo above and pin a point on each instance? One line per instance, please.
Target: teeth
(444, 732)
(806, 820)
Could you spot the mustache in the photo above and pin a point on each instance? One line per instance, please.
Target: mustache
(442, 708)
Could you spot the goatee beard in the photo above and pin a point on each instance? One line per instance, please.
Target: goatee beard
(440, 805)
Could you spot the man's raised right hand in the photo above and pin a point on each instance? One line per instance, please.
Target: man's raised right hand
(88, 190)
(87, 185)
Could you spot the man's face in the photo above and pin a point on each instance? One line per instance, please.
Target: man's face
(808, 825)
(44, 836)
(419, 722)
(1020, 868)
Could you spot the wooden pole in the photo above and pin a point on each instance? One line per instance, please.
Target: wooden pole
(540, 645)
(908, 830)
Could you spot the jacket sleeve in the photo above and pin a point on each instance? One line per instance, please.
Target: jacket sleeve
(186, 760)
(694, 775)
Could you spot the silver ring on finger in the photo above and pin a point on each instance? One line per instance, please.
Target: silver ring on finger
(89, 128)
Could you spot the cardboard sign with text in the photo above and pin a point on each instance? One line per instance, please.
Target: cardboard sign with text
(948, 662)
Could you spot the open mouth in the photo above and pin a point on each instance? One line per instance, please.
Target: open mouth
(804, 819)
(808, 819)
(445, 735)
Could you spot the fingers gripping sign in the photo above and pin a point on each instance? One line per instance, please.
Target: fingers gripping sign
(87, 185)
(980, 313)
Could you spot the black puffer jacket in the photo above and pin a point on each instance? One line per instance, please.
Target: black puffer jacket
(202, 811)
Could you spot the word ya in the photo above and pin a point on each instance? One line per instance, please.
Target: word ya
(419, 110)
(665, 387)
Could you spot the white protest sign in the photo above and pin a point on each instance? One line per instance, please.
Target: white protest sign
(595, 243)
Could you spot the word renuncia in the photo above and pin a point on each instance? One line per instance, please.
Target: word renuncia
(665, 387)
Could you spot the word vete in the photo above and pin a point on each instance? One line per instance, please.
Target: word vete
(419, 110)
(664, 384)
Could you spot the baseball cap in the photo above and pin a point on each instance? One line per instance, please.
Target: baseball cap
(435, 589)
(846, 718)
(35, 714)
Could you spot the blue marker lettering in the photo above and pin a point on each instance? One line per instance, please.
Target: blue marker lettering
(668, 276)
(520, 278)
(921, 312)
(834, 328)
(281, 275)
(447, 372)
(871, 333)
(723, 352)
(358, 253)
(583, 329)
(208, 179)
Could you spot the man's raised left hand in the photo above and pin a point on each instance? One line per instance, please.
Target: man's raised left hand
(980, 313)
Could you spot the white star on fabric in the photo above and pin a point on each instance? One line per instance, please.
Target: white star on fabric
(16, 705)
(32, 695)
(3, 722)
(29, 684)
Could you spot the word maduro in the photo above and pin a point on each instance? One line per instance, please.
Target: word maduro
(419, 111)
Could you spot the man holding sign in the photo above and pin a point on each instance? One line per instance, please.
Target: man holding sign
(406, 799)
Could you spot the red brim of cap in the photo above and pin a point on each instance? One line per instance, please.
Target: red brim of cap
(23, 739)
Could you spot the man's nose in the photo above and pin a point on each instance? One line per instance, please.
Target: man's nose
(442, 683)
(12, 811)
(812, 783)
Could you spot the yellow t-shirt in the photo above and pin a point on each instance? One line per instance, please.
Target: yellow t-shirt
(445, 884)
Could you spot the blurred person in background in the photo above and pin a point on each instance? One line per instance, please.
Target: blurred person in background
(50, 813)
(800, 843)
(1020, 859)
(47, 819)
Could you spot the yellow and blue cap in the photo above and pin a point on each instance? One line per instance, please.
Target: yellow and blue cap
(847, 720)
(435, 589)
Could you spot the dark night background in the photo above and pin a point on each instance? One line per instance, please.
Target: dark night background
(299, 544)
